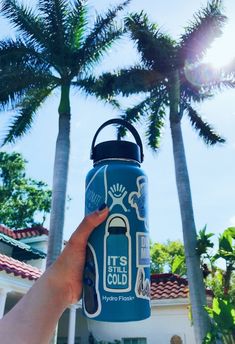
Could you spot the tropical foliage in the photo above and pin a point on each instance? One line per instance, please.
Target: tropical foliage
(173, 78)
(221, 281)
(164, 257)
(24, 202)
(56, 47)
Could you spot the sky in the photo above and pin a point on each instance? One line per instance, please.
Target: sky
(211, 169)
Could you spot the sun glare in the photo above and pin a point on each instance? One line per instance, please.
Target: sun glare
(222, 51)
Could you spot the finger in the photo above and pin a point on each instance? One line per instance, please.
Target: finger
(88, 224)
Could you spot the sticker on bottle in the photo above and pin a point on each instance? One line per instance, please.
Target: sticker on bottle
(96, 190)
(91, 295)
(142, 249)
(138, 199)
(117, 254)
(142, 285)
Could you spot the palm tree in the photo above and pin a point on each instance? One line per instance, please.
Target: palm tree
(173, 76)
(55, 48)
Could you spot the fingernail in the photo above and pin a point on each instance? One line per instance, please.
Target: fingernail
(102, 207)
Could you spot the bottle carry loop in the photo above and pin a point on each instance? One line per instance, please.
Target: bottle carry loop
(124, 123)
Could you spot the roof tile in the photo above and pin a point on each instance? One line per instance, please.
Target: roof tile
(22, 249)
(23, 233)
(18, 268)
(168, 286)
(163, 286)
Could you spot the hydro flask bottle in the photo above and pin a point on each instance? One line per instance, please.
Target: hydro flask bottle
(117, 270)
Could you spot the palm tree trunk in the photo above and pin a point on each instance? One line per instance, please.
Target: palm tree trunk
(196, 286)
(60, 176)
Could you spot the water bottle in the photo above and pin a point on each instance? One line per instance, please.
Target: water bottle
(117, 269)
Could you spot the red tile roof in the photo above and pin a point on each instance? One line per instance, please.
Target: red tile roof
(168, 286)
(18, 268)
(163, 286)
(23, 233)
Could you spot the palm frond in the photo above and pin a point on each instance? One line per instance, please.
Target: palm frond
(102, 23)
(90, 88)
(192, 92)
(18, 78)
(208, 78)
(101, 37)
(15, 52)
(55, 15)
(125, 81)
(77, 24)
(157, 49)
(91, 55)
(25, 21)
(205, 131)
(156, 122)
(133, 114)
(22, 122)
(201, 32)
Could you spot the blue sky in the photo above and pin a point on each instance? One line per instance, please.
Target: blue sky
(211, 170)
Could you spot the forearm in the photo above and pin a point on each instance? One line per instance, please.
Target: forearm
(28, 322)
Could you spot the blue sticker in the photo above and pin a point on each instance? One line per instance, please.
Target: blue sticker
(117, 254)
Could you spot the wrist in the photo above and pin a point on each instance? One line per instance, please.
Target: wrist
(57, 286)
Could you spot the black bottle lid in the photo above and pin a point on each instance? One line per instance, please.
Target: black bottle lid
(117, 149)
(117, 225)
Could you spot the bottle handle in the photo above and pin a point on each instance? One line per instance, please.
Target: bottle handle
(124, 123)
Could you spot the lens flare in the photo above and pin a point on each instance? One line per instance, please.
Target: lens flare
(201, 74)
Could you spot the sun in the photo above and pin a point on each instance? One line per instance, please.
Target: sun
(222, 51)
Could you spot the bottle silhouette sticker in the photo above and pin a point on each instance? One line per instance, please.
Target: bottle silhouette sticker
(117, 254)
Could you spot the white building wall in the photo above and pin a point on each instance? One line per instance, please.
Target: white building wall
(165, 322)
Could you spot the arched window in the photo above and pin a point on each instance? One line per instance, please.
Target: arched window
(176, 340)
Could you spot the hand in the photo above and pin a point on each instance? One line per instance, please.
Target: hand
(59, 287)
(67, 272)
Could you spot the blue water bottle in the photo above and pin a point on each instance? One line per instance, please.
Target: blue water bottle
(117, 270)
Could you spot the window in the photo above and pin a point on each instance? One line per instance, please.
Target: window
(134, 340)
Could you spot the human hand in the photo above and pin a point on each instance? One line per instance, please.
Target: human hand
(67, 271)
(59, 287)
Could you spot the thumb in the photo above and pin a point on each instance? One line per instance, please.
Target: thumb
(88, 224)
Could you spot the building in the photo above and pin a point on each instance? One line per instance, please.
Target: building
(22, 261)
(169, 322)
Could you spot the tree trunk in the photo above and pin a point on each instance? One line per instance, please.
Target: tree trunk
(60, 176)
(196, 285)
